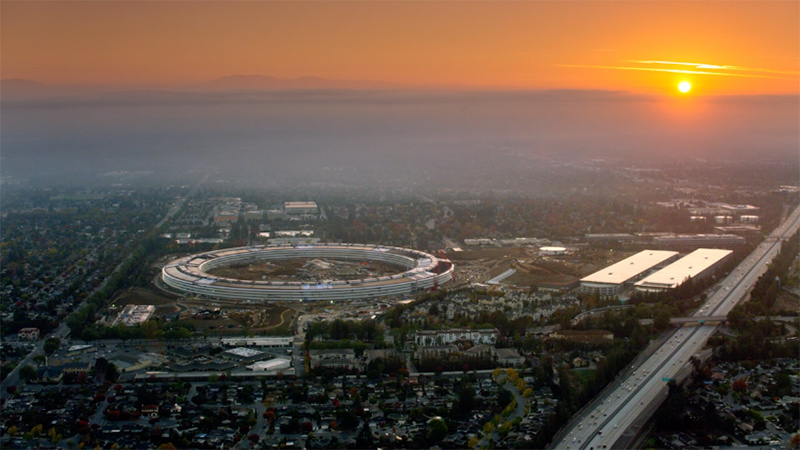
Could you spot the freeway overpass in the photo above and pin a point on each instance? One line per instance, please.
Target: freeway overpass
(698, 319)
(615, 417)
(719, 319)
(691, 319)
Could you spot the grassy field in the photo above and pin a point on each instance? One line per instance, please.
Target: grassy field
(529, 279)
(486, 253)
(584, 375)
(142, 296)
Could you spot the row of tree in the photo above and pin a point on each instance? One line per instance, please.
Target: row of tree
(362, 330)
(134, 271)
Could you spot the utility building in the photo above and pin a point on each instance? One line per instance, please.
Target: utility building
(696, 265)
(613, 278)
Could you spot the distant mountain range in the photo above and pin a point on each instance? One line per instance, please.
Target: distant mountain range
(17, 89)
(264, 82)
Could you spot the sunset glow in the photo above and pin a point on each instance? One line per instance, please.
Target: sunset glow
(684, 86)
(638, 46)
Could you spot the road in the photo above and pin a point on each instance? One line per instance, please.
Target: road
(519, 411)
(13, 378)
(638, 391)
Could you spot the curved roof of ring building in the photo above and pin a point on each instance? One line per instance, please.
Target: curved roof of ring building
(424, 271)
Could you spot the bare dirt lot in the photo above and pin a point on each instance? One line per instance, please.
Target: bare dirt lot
(480, 265)
(485, 253)
(231, 317)
(786, 302)
(164, 303)
(529, 279)
(307, 269)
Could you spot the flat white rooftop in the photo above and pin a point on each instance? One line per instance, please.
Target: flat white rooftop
(272, 364)
(276, 341)
(244, 352)
(300, 206)
(628, 268)
(77, 348)
(689, 266)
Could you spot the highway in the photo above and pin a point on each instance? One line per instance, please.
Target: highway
(635, 394)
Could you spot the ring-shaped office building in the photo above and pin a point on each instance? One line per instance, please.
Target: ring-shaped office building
(423, 272)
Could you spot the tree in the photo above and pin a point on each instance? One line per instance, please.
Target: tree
(364, 438)
(51, 345)
(661, 320)
(783, 384)
(496, 373)
(739, 385)
(27, 372)
(512, 374)
(670, 415)
(527, 393)
(466, 400)
(437, 429)
(111, 372)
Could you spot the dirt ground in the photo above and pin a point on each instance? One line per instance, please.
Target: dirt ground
(530, 279)
(259, 270)
(239, 316)
(255, 318)
(531, 268)
(164, 303)
(786, 302)
(485, 253)
(275, 270)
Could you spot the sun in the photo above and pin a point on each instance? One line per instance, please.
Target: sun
(684, 86)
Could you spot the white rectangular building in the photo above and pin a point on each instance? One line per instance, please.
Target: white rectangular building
(245, 354)
(269, 341)
(610, 280)
(695, 265)
(133, 314)
(428, 338)
(270, 365)
(300, 207)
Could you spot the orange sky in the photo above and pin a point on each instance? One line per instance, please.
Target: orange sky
(524, 44)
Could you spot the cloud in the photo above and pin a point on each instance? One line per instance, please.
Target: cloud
(716, 67)
(654, 69)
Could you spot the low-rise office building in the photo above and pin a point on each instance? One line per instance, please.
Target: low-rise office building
(612, 279)
(696, 265)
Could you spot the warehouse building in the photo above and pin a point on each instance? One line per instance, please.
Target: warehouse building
(692, 241)
(301, 208)
(606, 239)
(612, 279)
(271, 365)
(696, 265)
(244, 354)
